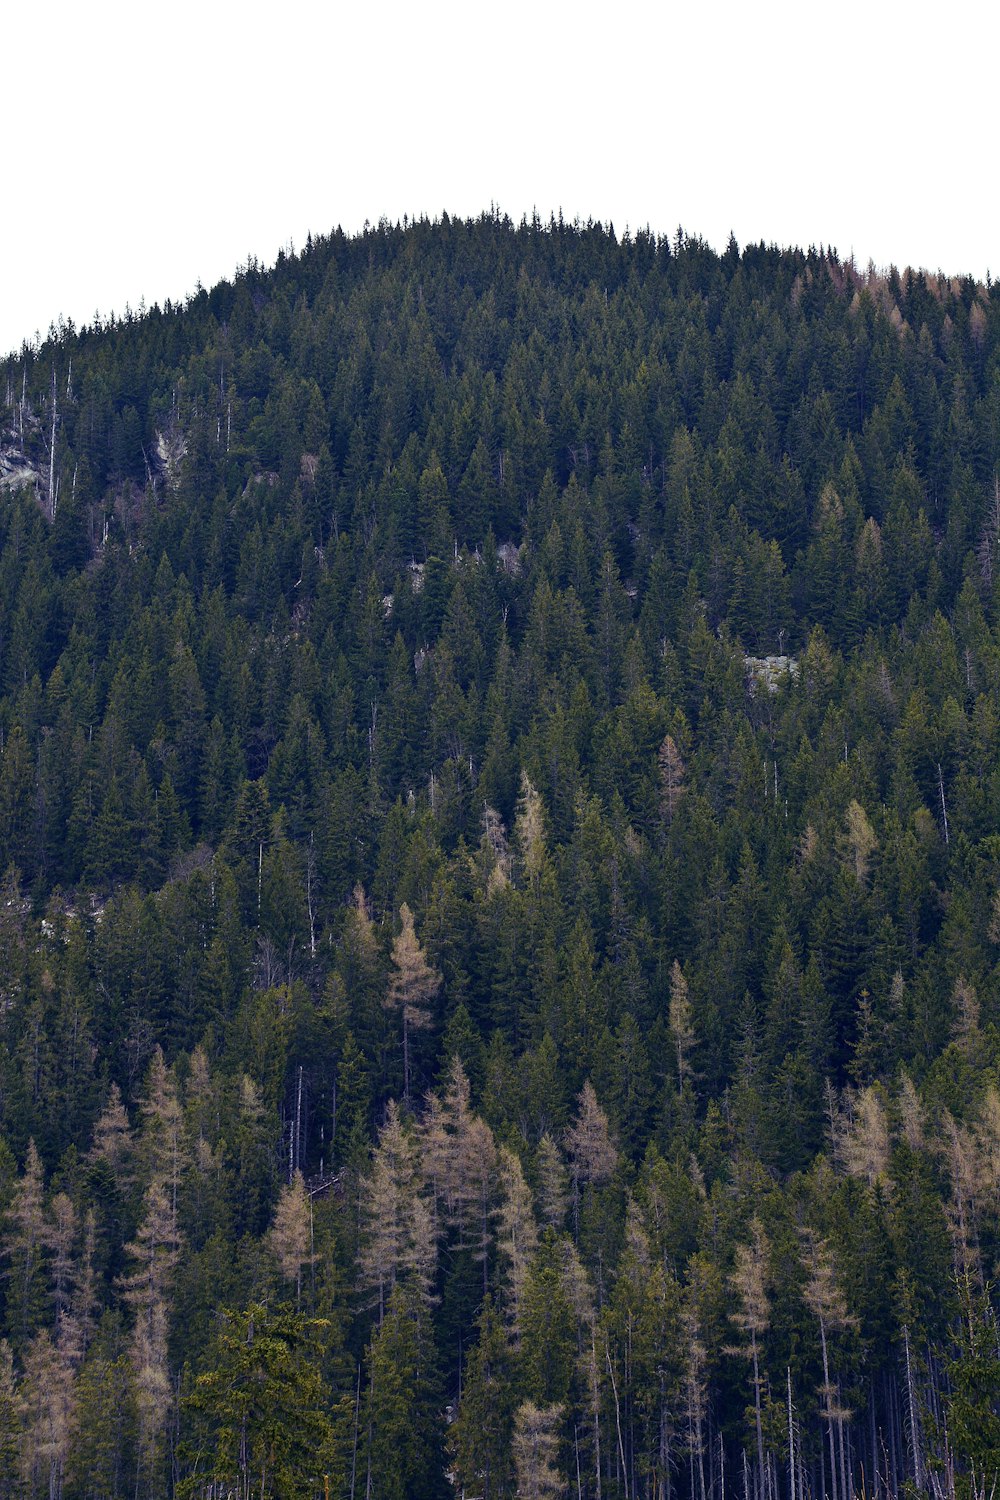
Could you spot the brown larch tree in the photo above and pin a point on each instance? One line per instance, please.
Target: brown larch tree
(749, 1280)
(536, 1452)
(23, 1244)
(592, 1154)
(413, 984)
(671, 777)
(290, 1236)
(826, 1301)
(517, 1233)
(397, 1231)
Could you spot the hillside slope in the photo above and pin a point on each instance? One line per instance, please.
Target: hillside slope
(500, 805)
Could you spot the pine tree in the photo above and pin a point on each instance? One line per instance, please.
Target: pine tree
(403, 1446)
(681, 1024)
(258, 1413)
(517, 1234)
(671, 778)
(397, 1231)
(825, 1299)
(413, 985)
(536, 1452)
(23, 1247)
(48, 1406)
(146, 1289)
(10, 1424)
(290, 1235)
(548, 1326)
(480, 1437)
(749, 1281)
(592, 1155)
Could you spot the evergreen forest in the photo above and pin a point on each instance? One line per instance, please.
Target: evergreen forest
(500, 879)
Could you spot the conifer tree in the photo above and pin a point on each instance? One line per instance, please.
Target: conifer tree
(23, 1247)
(48, 1406)
(111, 1140)
(671, 778)
(10, 1423)
(413, 985)
(102, 1453)
(592, 1155)
(146, 1289)
(402, 1419)
(481, 1435)
(553, 1197)
(536, 1452)
(259, 1411)
(290, 1235)
(548, 1326)
(681, 1024)
(397, 1232)
(752, 1316)
(825, 1299)
(517, 1234)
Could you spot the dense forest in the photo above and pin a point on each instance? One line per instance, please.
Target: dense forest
(500, 852)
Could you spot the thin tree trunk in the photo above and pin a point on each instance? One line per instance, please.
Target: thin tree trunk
(298, 1120)
(596, 1409)
(828, 1389)
(406, 1061)
(918, 1476)
(944, 809)
(757, 1417)
(844, 1490)
(701, 1449)
(791, 1438)
(618, 1423)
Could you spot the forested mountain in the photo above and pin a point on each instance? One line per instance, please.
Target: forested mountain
(500, 805)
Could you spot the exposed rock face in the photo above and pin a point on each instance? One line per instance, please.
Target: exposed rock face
(171, 448)
(15, 470)
(509, 558)
(770, 671)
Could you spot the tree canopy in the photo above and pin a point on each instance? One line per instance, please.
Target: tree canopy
(500, 854)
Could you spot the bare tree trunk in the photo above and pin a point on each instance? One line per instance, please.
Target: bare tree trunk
(298, 1120)
(310, 871)
(757, 1417)
(944, 809)
(791, 1438)
(406, 1061)
(918, 1468)
(618, 1423)
(844, 1490)
(828, 1390)
(596, 1413)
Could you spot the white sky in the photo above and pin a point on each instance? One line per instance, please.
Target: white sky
(149, 146)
